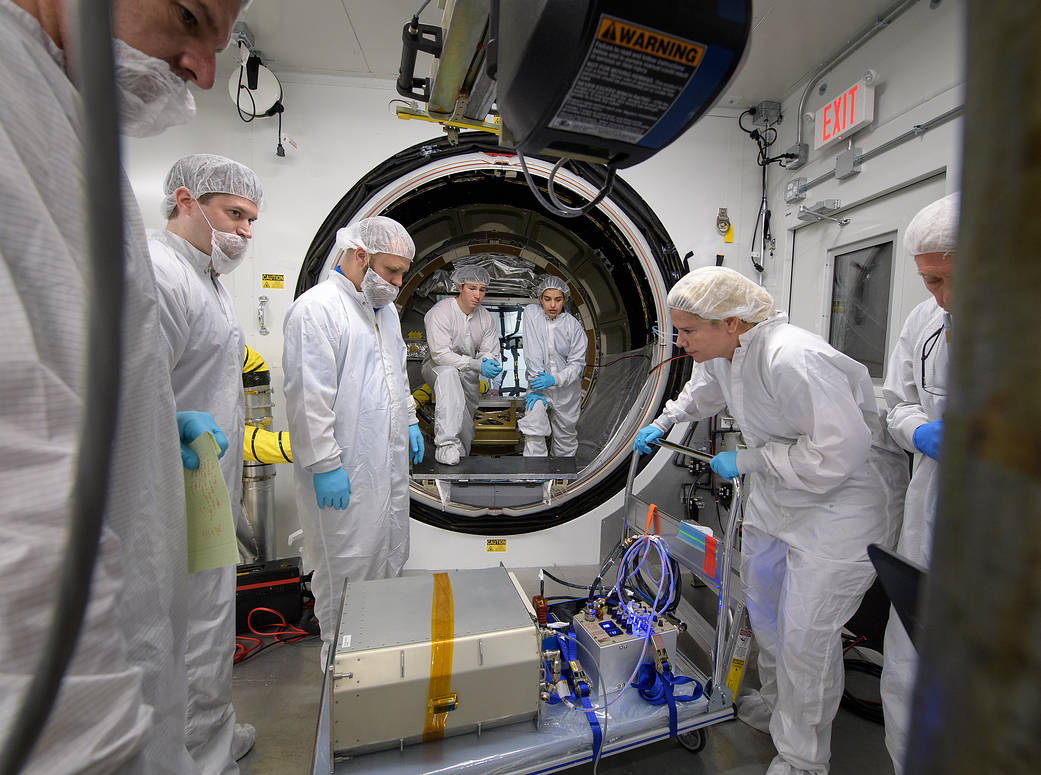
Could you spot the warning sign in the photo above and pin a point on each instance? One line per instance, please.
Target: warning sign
(650, 42)
(630, 78)
(272, 281)
(495, 545)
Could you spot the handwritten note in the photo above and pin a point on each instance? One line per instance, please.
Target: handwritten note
(211, 530)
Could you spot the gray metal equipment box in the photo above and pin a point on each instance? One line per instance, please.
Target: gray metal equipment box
(610, 654)
(422, 657)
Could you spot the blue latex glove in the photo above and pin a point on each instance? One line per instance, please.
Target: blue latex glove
(645, 437)
(928, 438)
(332, 489)
(415, 443)
(542, 381)
(190, 426)
(725, 465)
(490, 368)
(533, 398)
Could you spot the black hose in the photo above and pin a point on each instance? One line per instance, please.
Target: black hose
(869, 709)
(104, 289)
(549, 575)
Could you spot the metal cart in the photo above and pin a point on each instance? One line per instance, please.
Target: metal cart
(561, 738)
(712, 562)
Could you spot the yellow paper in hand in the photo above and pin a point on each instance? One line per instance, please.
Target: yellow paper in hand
(211, 531)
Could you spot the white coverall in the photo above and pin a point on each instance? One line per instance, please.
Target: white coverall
(457, 344)
(557, 347)
(204, 346)
(823, 481)
(910, 405)
(348, 404)
(122, 700)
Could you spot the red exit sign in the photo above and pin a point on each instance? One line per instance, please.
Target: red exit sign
(850, 111)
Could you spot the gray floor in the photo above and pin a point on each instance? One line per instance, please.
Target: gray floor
(278, 692)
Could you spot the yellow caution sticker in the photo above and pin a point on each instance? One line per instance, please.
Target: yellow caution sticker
(495, 545)
(272, 281)
(737, 662)
(649, 41)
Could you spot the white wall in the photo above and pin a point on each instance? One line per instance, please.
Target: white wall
(920, 63)
(344, 128)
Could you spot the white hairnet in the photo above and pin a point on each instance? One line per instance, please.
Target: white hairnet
(377, 234)
(935, 228)
(715, 293)
(548, 281)
(206, 173)
(470, 273)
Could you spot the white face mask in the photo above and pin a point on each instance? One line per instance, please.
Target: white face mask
(151, 97)
(378, 291)
(227, 250)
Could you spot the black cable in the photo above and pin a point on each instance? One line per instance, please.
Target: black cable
(104, 290)
(556, 206)
(549, 575)
(740, 120)
(869, 709)
(238, 95)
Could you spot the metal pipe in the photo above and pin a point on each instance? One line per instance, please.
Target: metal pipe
(633, 464)
(723, 623)
(916, 131)
(696, 454)
(466, 28)
(881, 23)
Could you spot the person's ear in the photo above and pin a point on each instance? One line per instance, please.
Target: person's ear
(185, 200)
(732, 324)
(361, 257)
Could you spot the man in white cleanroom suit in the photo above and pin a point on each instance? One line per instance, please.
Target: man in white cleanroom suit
(555, 347)
(916, 394)
(122, 701)
(824, 481)
(210, 203)
(351, 415)
(464, 346)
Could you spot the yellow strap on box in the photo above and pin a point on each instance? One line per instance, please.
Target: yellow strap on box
(442, 638)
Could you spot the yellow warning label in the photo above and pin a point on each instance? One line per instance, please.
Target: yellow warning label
(649, 42)
(495, 545)
(737, 667)
(272, 281)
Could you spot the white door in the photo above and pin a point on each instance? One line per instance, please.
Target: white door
(831, 264)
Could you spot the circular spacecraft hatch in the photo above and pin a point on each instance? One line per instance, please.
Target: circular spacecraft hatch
(469, 202)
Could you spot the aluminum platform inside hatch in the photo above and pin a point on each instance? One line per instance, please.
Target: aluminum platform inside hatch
(512, 468)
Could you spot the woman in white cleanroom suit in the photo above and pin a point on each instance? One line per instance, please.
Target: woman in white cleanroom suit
(824, 481)
(555, 347)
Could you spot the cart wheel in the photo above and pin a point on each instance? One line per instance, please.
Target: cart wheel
(694, 740)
